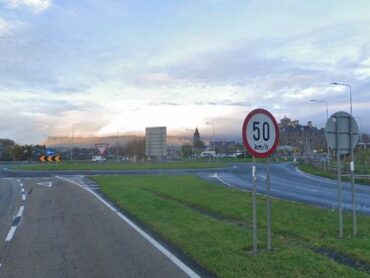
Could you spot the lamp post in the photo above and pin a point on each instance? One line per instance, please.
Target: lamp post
(192, 144)
(72, 143)
(213, 134)
(354, 221)
(350, 92)
(117, 143)
(327, 118)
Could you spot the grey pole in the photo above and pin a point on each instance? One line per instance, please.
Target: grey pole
(254, 201)
(73, 130)
(268, 205)
(340, 216)
(352, 164)
(327, 145)
(354, 217)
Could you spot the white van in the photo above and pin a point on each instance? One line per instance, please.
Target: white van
(98, 158)
(207, 154)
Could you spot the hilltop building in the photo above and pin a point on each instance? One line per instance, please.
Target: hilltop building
(300, 139)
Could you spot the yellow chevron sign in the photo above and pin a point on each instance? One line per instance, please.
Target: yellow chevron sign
(46, 158)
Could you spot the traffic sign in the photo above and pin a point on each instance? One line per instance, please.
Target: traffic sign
(50, 152)
(342, 135)
(339, 129)
(260, 133)
(47, 158)
(260, 137)
(102, 148)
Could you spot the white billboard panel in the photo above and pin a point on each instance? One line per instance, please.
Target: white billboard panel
(156, 141)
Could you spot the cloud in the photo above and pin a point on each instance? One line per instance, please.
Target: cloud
(35, 5)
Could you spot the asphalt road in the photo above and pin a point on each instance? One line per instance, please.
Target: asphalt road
(64, 231)
(287, 182)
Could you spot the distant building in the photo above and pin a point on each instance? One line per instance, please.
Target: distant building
(301, 139)
(198, 144)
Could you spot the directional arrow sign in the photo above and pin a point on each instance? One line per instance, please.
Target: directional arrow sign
(45, 158)
(47, 184)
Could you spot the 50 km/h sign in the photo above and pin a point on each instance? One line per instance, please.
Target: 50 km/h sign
(260, 133)
(260, 137)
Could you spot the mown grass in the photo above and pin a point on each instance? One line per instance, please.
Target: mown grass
(123, 166)
(212, 224)
(331, 175)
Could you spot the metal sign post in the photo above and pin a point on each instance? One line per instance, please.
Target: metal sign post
(268, 204)
(342, 135)
(260, 137)
(340, 211)
(254, 205)
(353, 195)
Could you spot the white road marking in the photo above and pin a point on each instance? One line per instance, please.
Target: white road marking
(20, 212)
(222, 181)
(306, 189)
(21, 184)
(12, 230)
(11, 233)
(22, 190)
(18, 180)
(47, 184)
(23, 197)
(309, 175)
(162, 249)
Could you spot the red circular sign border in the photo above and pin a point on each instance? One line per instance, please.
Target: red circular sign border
(244, 134)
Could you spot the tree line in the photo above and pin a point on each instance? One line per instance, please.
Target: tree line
(11, 151)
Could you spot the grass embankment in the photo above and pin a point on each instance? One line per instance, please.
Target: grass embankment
(331, 175)
(212, 224)
(123, 166)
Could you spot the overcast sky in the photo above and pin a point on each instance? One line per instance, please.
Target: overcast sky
(116, 65)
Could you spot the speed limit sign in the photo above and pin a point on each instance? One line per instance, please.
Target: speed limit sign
(260, 133)
(260, 138)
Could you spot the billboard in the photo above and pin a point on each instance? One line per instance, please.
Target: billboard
(156, 141)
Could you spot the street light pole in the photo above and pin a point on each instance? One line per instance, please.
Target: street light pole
(352, 164)
(73, 131)
(213, 138)
(327, 118)
(117, 143)
(192, 144)
(213, 134)
(350, 93)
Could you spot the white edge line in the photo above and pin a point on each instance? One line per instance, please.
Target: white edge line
(11, 233)
(155, 243)
(224, 182)
(20, 212)
(313, 177)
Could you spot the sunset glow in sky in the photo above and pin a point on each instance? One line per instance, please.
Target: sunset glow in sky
(116, 65)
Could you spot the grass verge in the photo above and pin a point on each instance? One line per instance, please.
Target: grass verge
(323, 173)
(123, 166)
(212, 225)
